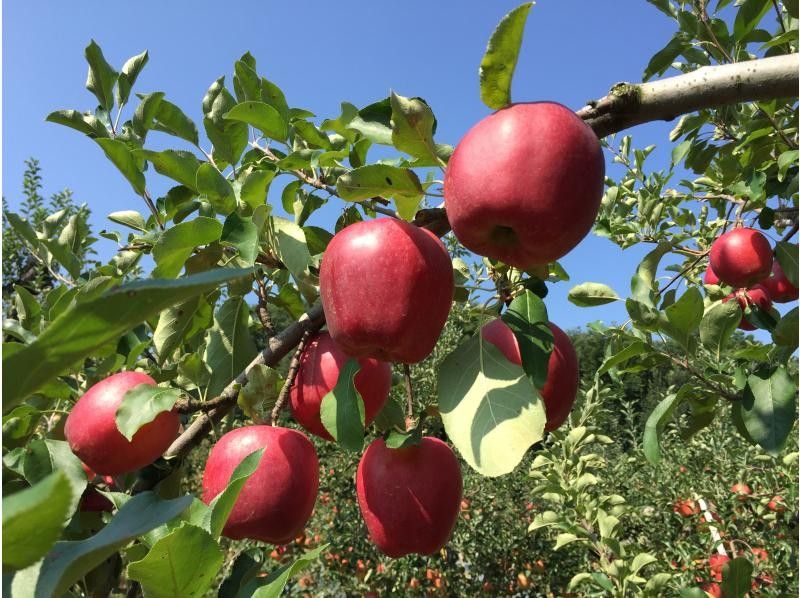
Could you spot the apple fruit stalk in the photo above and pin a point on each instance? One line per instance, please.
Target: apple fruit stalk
(524, 184)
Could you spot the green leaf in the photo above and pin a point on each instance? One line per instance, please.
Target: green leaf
(173, 324)
(684, 316)
(123, 158)
(178, 165)
(171, 119)
(491, 411)
(70, 561)
(229, 137)
(374, 122)
(229, 345)
(87, 326)
(500, 59)
(258, 396)
(292, 246)
(641, 560)
(750, 14)
(655, 425)
(342, 409)
(373, 180)
(590, 294)
(413, 125)
(786, 332)
(255, 186)
(679, 151)
(176, 244)
(184, 562)
(662, 59)
(244, 569)
(527, 318)
(311, 135)
(129, 218)
(398, 440)
(29, 311)
(216, 189)
(768, 407)
(643, 283)
(737, 577)
(718, 325)
(141, 405)
(241, 233)
(33, 520)
(272, 586)
(127, 77)
(220, 508)
(786, 254)
(634, 349)
(46, 456)
(85, 123)
(102, 77)
(261, 116)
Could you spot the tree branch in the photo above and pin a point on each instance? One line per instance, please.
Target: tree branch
(291, 375)
(279, 346)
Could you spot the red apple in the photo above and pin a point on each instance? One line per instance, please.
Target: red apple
(716, 562)
(741, 490)
(757, 295)
(686, 508)
(386, 288)
(712, 589)
(778, 286)
(524, 184)
(276, 501)
(710, 277)
(319, 370)
(741, 257)
(409, 497)
(561, 387)
(92, 434)
(777, 504)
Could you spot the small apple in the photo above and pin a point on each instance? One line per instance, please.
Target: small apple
(712, 589)
(715, 563)
(741, 257)
(561, 387)
(409, 497)
(710, 277)
(742, 491)
(524, 184)
(276, 501)
(759, 554)
(92, 434)
(756, 295)
(318, 373)
(686, 508)
(778, 286)
(386, 288)
(777, 504)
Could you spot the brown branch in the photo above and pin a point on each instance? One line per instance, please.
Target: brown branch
(409, 393)
(683, 272)
(291, 375)
(790, 232)
(263, 308)
(278, 347)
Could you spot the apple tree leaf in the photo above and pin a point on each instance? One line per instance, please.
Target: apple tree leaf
(591, 294)
(342, 409)
(768, 407)
(141, 405)
(500, 59)
(527, 318)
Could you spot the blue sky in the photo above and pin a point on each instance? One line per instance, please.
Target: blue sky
(320, 54)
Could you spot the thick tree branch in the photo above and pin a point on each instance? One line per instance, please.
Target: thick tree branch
(629, 105)
(278, 347)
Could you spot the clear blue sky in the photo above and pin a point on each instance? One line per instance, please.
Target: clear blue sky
(320, 55)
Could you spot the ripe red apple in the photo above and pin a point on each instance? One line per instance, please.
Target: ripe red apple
(561, 387)
(777, 504)
(409, 497)
(276, 501)
(386, 288)
(686, 508)
(757, 295)
(741, 257)
(716, 562)
(778, 286)
(712, 589)
(92, 434)
(710, 277)
(524, 184)
(319, 370)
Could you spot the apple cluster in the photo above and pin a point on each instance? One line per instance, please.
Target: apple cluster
(522, 187)
(743, 259)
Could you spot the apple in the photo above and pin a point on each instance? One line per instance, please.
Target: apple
(741, 490)
(386, 288)
(710, 277)
(276, 501)
(716, 562)
(561, 387)
(741, 257)
(757, 295)
(778, 286)
(686, 508)
(524, 184)
(409, 497)
(92, 434)
(318, 373)
(712, 589)
(776, 504)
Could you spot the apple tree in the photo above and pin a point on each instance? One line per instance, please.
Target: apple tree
(113, 377)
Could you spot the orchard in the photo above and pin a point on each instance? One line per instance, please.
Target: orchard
(241, 403)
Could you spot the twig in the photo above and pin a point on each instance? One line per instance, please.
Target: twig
(291, 375)
(409, 394)
(682, 272)
(263, 309)
(149, 201)
(790, 233)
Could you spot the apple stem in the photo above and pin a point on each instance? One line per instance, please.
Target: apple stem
(294, 366)
(409, 395)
